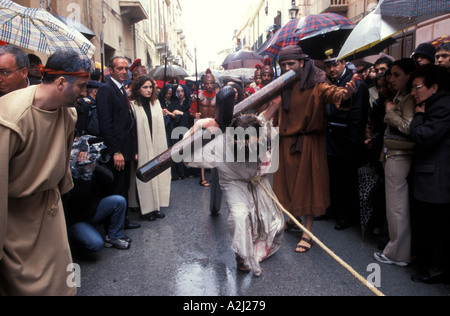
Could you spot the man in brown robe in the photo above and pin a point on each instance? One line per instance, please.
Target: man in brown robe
(301, 182)
(36, 135)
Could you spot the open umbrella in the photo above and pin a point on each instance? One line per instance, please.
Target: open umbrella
(217, 75)
(296, 29)
(38, 30)
(243, 74)
(414, 8)
(373, 33)
(316, 43)
(440, 40)
(242, 59)
(172, 72)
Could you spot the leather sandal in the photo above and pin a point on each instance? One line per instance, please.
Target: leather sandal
(204, 183)
(304, 249)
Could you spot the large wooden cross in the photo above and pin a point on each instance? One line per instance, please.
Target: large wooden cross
(166, 159)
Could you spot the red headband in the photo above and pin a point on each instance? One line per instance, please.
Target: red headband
(80, 74)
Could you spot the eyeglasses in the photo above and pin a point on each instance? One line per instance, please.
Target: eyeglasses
(4, 74)
(417, 87)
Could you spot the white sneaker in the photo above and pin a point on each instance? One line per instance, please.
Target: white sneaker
(381, 257)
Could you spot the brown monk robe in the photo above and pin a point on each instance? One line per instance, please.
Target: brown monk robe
(301, 182)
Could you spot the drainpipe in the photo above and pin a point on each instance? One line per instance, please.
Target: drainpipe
(134, 40)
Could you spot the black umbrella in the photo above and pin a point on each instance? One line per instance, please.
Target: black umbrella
(315, 44)
(373, 50)
(242, 59)
(168, 72)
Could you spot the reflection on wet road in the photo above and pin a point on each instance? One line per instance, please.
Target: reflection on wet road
(188, 254)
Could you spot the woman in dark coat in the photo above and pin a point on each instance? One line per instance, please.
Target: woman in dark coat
(430, 129)
(178, 110)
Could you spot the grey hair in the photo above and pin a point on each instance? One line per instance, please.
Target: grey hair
(111, 61)
(22, 59)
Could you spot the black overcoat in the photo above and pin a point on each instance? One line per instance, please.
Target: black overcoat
(431, 132)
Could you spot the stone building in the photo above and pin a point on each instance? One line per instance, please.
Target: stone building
(130, 28)
(264, 18)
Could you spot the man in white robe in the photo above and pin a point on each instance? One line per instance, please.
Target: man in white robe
(255, 222)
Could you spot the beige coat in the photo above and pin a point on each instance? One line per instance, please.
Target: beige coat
(35, 148)
(156, 193)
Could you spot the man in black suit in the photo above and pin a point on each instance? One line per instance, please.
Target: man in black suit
(118, 126)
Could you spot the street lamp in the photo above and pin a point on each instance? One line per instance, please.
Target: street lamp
(293, 11)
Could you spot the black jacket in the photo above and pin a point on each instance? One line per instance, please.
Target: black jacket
(345, 132)
(116, 120)
(431, 132)
(81, 203)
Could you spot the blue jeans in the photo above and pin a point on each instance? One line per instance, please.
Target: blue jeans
(112, 210)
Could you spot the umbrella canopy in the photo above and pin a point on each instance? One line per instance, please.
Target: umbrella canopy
(242, 59)
(172, 72)
(373, 58)
(217, 75)
(316, 43)
(373, 33)
(413, 8)
(243, 74)
(38, 30)
(440, 40)
(294, 30)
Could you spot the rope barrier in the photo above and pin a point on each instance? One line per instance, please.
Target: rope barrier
(366, 283)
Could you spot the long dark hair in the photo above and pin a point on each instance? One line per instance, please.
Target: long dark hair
(136, 87)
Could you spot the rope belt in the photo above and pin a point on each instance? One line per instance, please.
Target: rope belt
(370, 286)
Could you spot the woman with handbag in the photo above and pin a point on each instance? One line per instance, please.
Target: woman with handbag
(398, 150)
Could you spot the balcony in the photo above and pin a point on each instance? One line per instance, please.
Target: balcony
(324, 6)
(133, 10)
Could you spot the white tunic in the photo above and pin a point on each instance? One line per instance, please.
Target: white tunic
(255, 222)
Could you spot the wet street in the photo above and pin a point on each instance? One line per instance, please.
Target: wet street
(188, 254)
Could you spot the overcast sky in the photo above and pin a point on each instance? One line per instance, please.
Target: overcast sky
(209, 26)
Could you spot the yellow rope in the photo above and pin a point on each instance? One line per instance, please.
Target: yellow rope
(366, 283)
